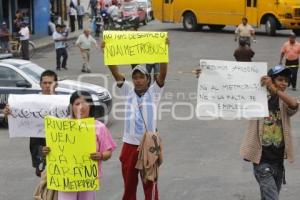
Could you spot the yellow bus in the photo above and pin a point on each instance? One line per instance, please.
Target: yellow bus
(194, 14)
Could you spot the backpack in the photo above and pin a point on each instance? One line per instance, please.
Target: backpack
(41, 192)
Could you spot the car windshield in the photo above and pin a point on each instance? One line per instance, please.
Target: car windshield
(33, 70)
(143, 4)
(129, 7)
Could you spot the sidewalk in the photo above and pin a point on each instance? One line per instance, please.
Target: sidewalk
(46, 41)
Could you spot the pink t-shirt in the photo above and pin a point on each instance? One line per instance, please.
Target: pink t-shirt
(291, 52)
(104, 141)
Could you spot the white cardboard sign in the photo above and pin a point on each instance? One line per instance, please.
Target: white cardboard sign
(231, 90)
(28, 112)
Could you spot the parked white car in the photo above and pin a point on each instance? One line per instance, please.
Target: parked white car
(22, 77)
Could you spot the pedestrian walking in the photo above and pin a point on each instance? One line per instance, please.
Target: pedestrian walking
(93, 6)
(85, 42)
(4, 38)
(243, 53)
(81, 105)
(80, 15)
(290, 51)
(60, 47)
(24, 39)
(245, 31)
(268, 141)
(48, 83)
(72, 15)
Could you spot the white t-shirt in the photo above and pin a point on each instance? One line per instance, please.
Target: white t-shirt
(86, 43)
(134, 126)
(244, 31)
(113, 11)
(24, 33)
(58, 36)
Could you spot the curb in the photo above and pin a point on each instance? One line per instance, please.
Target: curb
(47, 41)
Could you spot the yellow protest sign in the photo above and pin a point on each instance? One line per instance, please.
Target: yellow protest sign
(135, 47)
(69, 167)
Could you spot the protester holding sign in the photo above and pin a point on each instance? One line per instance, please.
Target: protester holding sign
(48, 83)
(140, 115)
(268, 140)
(81, 105)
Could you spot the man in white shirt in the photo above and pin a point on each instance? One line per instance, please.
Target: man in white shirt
(245, 31)
(113, 11)
(140, 115)
(24, 38)
(60, 47)
(85, 42)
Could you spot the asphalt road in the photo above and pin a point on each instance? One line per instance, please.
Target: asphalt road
(201, 158)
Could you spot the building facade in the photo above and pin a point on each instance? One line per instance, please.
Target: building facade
(35, 12)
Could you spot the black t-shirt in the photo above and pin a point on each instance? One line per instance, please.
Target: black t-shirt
(273, 140)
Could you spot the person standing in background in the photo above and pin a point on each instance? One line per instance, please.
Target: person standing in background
(72, 15)
(60, 47)
(243, 53)
(4, 38)
(245, 31)
(80, 15)
(85, 42)
(24, 39)
(291, 50)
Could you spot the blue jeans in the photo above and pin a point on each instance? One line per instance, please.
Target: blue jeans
(269, 178)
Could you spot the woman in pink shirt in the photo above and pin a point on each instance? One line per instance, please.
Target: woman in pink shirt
(81, 105)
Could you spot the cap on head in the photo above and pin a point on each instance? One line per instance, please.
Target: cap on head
(279, 70)
(140, 68)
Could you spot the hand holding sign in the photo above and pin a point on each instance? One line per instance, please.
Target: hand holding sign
(69, 165)
(224, 92)
(267, 81)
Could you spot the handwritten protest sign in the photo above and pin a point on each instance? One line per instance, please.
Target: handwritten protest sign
(133, 47)
(69, 167)
(231, 90)
(28, 112)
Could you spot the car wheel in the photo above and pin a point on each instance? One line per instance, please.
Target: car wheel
(270, 26)
(145, 22)
(190, 22)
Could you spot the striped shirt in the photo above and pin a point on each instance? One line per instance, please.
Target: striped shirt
(137, 108)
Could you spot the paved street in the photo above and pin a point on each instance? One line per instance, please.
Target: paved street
(201, 158)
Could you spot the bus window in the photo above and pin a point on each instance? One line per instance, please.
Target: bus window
(168, 1)
(254, 3)
(249, 3)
